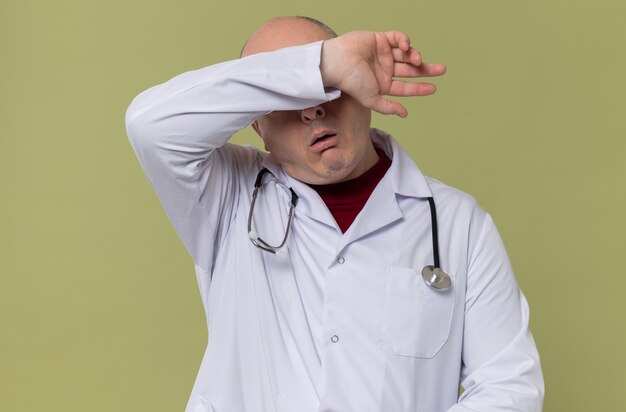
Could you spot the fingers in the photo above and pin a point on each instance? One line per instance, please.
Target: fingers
(424, 70)
(398, 88)
(398, 39)
(384, 106)
(404, 89)
(411, 56)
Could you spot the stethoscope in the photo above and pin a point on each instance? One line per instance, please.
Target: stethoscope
(433, 275)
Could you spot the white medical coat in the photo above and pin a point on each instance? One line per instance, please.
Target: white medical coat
(335, 321)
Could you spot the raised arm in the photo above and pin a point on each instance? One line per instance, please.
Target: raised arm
(179, 129)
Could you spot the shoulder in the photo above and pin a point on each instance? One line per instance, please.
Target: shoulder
(456, 207)
(450, 196)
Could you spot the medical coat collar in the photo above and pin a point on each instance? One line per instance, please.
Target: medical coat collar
(404, 176)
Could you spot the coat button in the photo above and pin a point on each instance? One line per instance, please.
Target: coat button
(341, 260)
(334, 339)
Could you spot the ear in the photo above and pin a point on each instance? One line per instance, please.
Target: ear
(255, 126)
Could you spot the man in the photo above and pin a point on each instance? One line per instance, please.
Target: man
(313, 288)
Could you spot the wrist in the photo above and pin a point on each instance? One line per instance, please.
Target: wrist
(328, 63)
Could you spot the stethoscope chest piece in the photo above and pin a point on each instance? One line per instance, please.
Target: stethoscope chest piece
(436, 278)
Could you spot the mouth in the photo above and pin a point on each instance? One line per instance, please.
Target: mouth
(323, 140)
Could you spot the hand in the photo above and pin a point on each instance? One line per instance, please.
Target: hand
(364, 64)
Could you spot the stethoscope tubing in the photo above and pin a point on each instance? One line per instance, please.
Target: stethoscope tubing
(435, 234)
(433, 275)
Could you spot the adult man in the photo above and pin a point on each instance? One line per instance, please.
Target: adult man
(339, 317)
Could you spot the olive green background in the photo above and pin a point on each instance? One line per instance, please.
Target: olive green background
(99, 309)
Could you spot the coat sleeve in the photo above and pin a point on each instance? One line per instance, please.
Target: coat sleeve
(179, 132)
(501, 370)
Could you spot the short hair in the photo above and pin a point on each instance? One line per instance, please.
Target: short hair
(327, 29)
(318, 23)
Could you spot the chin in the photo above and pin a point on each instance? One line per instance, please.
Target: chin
(322, 177)
(335, 176)
(335, 171)
(333, 168)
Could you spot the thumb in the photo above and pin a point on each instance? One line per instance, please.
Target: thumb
(386, 106)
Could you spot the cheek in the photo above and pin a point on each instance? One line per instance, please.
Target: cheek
(363, 115)
(274, 128)
(276, 145)
(280, 141)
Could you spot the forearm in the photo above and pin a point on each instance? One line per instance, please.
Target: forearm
(184, 119)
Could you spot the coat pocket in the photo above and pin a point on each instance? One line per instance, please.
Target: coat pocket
(416, 318)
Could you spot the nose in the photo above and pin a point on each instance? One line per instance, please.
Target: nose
(313, 113)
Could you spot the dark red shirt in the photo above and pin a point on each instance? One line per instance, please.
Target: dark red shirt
(346, 199)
